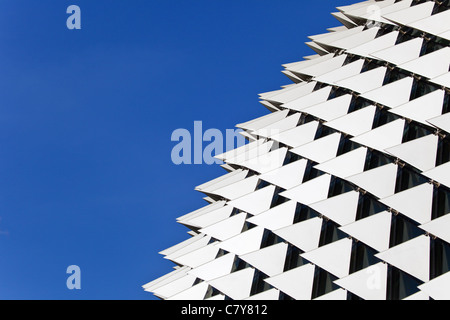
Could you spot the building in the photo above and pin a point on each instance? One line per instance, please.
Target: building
(343, 191)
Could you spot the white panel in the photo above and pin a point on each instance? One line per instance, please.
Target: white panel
(440, 174)
(401, 53)
(268, 295)
(311, 191)
(377, 44)
(236, 285)
(374, 230)
(279, 126)
(439, 227)
(304, 235)
(442, 122)
(189, 248)
(198, 257)
(269, 260)
(354, 123)
(418, 296)
(172, 276)
(415, 203)
(211, 217)
(430, 65)
(365, 81)
(296, 283)
(330, 109)
(435, 24)
(393, 94)
(226, 228)
(335, 36)
(369, 283)
(438, 287)
(224, 180)
(203, 210)
(267, 162)
(415, 110)
(379, 181)
(320, 150)
(264, 120)
(256, 202)
(175, 287)
(300, 65)
(386, 136)
(287, 176)
(411, 14)
(355, 40)
(219, 297)
(214, 269)
(443, 79)
(413, 257)
(341, 209)
(336, 295)
(194, 293)
(322, 67)
(309, 100)
(298, 136)
(237, 189)
(245, 242)
(277, 217)
(249, 154)
(241, 150)
(184, 244)
(345, 165)
(334, 257)
(420, 153)
(346, 71)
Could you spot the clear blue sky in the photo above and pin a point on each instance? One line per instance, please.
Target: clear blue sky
(86, 118)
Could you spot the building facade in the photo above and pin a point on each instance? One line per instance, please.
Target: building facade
(343, 191)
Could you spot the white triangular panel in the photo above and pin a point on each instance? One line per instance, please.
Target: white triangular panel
(269, 260)
(194, 293)
(412, 257)
(365, 81)
(401, 53)
(277, 217)
(287, 176)
(380, 181)
(330, 109)
(320, 150)
(442, 122)
(383, 137)
(430, 65)
(420, 153)
(296, 283)
(304, 235)
(439, 227)
(415, 203)
(226, 228)
(354, 123)
(243, 243)
(334, 257)
(393, 94)
(236, 285)
(438, 287)
(309, 100)
(440, 174)
(374, 230)
(210, 217)
(298, 136)
(345, 165)
(311, 191)
(256, 202)
(416, 111)
(268, 295)
(341, 209)
(214, 269)
(336, 295)
(369, 283)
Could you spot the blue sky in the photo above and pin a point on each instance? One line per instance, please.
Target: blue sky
(86, 117)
